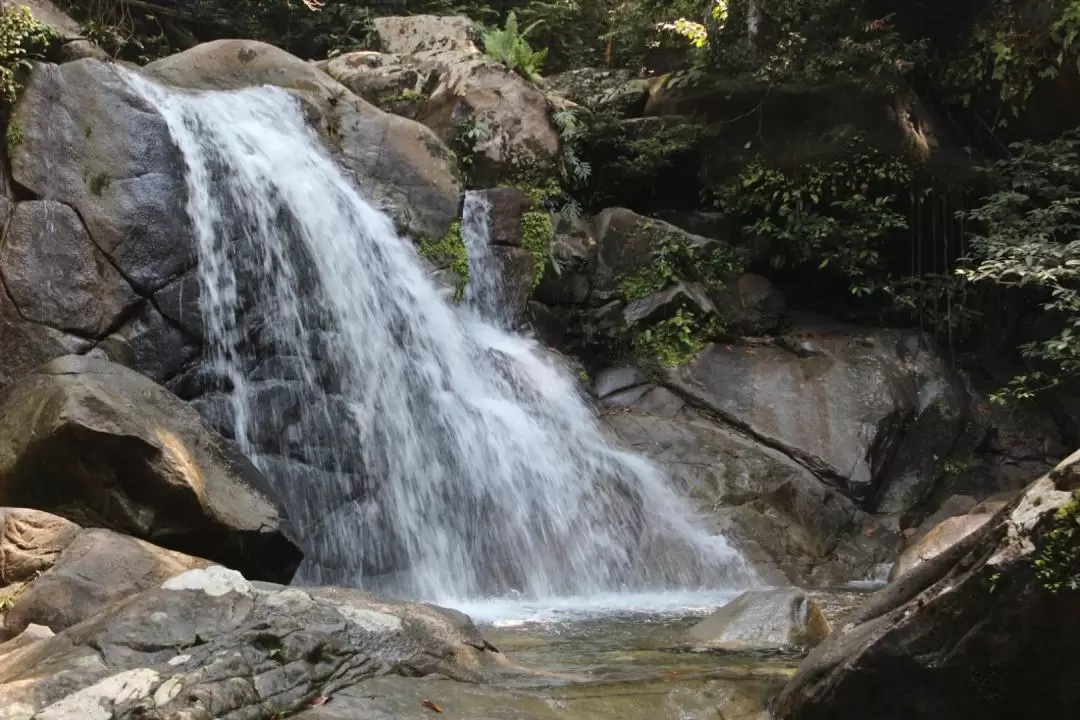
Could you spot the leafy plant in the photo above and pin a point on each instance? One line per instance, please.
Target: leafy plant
(450, 250)
(1057, 561)
(1031, 243)
(676, 259)
(675, 341)
(509, 45)
(22, 38)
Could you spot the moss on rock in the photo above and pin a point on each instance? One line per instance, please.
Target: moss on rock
(449, 251)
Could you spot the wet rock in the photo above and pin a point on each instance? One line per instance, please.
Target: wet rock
(86, 437)
(791, 526)
(210, 643)
(30, 542)
(874, 411)
(90, 142)
(986, 629)
(760, 620)
(942, 537)
(396, 163)
(55, 274)
(96, 569)
(149, 344)
(179, 303)
(517, 268)
(508, 207)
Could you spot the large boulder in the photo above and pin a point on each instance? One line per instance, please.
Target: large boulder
(986, 629)
(87, 140)
(398, 164)
(790, 525)
(96, 442)
(761, 620)
(873, 411)
(209, 643)
(97, 568)
(455, 87)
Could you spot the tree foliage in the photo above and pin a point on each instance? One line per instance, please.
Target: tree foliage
(1031, 241)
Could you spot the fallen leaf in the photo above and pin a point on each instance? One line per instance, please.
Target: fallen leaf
(431, 706)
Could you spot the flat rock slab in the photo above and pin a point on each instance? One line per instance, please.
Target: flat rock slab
(209, 644)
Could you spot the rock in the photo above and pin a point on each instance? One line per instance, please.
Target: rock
(575, 251)
(752, 303)
(517, 269)
(986, 629)
(667, 303)
(26, 345)
(96, 569)
(953, 506)
(382, 80)
(625, 244)
(87, 438)
(150, 345)
(90, 142)
(29, 636)
(179, 303)
(942, 537)
(397, 164)
(80, 49)
(613, 380)
(875, 411)
(508, 207)
(791, 526)
(30, 542)
(46, 13)
(55, 274)
(461, 87)
(757, 620)
(210, 643)
(415, 34)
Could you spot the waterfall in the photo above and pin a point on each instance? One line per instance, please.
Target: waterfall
(484, 292)
(417, 448)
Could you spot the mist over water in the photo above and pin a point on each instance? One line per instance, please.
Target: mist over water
(456, 461)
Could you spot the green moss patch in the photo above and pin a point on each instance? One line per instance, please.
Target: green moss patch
(449, 251)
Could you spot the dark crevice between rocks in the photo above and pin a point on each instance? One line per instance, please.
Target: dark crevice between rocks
(78, 334)
(145, 294)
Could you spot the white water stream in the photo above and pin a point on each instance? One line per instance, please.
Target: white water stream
(456, 460)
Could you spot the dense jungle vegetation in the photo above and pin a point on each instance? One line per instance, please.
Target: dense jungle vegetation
(985, 257)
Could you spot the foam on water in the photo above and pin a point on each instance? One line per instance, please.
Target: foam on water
(427, 450)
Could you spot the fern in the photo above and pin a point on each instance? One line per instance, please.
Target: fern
(510, 46)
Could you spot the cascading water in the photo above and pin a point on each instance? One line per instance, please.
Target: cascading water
(417, 449)
(484, 291)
